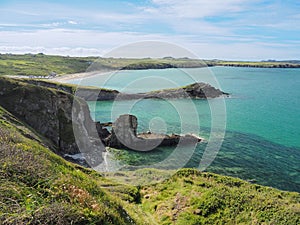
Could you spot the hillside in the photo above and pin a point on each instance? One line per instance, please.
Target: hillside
(43, 65)
(40, 65)
(39, 187)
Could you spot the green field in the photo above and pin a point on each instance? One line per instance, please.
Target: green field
(43, 65)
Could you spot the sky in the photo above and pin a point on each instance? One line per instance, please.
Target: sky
(210, 29)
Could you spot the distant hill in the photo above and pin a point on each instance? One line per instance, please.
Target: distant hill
(283, 61)
(43, 66)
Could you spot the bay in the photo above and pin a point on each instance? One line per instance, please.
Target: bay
(262, 140)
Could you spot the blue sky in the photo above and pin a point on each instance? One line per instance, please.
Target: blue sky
(222, 29)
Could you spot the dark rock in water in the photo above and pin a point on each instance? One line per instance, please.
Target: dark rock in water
(124, 135)
(107, 124)
(102, 132)
(124, 131)
(203, 90)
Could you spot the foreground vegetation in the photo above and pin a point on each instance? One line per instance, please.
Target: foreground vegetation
(39, 187)
(44, 65)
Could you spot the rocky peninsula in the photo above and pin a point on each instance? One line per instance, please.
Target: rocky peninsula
(199, 90)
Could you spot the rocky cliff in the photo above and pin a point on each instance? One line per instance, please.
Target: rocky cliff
(50, 112)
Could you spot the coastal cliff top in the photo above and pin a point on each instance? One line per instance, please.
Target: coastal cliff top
(41, 65)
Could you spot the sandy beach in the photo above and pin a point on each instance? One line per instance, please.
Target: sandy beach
(67, 77)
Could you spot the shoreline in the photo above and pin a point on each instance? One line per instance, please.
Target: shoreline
(68, 77)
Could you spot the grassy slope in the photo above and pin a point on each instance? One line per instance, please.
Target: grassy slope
(191, 197)
(42, 65)
(38, 187)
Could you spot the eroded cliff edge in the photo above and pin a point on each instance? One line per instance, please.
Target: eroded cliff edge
(49, 112)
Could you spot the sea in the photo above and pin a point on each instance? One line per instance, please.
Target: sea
(253, 134)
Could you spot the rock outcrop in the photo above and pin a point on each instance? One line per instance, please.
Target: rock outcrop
(124, 135)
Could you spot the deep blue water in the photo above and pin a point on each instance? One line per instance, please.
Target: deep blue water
(262, 119)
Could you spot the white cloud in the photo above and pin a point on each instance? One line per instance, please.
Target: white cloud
(191, 23)
(199, 8)
(98, 43)
(72, 22)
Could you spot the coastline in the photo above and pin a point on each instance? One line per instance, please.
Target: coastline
(67, 77)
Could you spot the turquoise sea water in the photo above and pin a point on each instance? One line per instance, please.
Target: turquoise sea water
(262, 140)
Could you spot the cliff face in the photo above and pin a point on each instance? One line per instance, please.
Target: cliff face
(46, 110)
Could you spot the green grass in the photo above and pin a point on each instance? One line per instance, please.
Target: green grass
(263, 64)
(39, 187)
(192, 197)
(43, 65)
